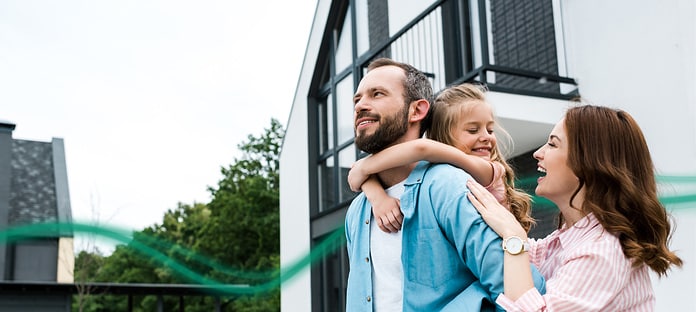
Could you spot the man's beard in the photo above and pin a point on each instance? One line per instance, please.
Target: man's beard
(390, 130)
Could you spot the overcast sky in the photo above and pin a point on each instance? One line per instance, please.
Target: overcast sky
(151, 97)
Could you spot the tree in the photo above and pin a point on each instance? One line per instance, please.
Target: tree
(87, 266)
(237, 235)
(244, 226)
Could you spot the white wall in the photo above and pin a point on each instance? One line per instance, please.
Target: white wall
(527, 119)
(294, 181)
(639, 55)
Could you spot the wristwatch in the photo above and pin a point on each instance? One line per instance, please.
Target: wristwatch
(515, 245)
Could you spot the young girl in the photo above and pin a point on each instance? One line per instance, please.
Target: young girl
(462, 135)
(596, 167)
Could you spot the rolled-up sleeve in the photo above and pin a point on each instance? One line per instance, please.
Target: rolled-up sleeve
(532, 300)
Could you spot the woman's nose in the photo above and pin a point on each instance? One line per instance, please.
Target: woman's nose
(538, 153)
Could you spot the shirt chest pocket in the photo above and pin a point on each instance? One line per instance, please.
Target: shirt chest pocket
(431, 259)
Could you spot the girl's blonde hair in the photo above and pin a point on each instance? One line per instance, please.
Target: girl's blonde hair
(447, 110)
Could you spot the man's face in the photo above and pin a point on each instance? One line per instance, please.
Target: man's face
(380, 114)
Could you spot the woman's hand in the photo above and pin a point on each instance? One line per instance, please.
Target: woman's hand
(499, 218)
(356, 176)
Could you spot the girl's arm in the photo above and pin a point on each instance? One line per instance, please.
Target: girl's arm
(421, 149)
(386, 209)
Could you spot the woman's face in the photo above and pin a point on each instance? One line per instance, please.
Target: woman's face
(558, 181)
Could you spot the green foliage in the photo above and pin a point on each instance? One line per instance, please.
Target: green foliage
(238, 229)
(87, 265)
(244, 227)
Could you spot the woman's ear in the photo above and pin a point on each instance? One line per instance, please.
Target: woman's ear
(418, 110)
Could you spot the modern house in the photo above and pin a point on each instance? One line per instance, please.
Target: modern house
(534, 56)
(34, 190)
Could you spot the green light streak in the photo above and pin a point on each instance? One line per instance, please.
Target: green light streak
(144, 246)
(148, 246)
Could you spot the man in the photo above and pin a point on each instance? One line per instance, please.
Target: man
(445, 258)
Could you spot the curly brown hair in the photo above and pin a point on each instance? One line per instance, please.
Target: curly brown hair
(447, 109)
(608, 153)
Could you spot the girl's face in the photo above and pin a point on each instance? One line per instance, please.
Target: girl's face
(558, 182)
(474, 132)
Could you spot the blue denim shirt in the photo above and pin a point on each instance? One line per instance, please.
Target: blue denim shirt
(452, 260)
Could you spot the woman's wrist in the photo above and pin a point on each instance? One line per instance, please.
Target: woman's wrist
(515, 231)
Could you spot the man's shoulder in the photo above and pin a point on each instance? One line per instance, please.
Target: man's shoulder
(444, 178)
(447, 170)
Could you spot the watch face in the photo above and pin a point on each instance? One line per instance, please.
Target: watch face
(513, 245)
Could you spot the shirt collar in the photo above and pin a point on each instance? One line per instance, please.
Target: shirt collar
(418, 173)
(568, 236)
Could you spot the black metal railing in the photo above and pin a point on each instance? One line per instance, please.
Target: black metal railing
(451, 43)
(181, 291)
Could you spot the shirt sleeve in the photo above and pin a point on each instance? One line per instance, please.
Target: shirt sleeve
(532, 300)
(498, 171)
(497, 185)
(347, 222)
(586, 281)
(477, 244)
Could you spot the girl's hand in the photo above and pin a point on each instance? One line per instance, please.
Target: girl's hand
(356, 177)
(387, 211)
(499, 218)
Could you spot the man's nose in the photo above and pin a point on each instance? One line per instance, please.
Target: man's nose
(361, 105)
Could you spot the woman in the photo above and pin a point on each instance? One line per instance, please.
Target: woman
(598, 171)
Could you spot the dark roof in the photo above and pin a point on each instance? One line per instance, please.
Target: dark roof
(38, 184)
(6, 126)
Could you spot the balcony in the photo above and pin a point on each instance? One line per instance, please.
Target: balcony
(511, 50)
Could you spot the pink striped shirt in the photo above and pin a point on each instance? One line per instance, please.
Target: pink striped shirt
(585, 270)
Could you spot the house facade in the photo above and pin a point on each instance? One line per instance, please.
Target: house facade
(534, 56)
(33, 190)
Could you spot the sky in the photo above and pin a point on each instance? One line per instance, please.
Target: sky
(151, 97)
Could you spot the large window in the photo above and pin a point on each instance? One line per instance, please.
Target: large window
(332, 119)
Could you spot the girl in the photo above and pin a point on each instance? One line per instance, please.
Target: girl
(598, 171)
(461, 134)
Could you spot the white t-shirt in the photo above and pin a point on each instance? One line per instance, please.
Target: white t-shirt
(387, 269)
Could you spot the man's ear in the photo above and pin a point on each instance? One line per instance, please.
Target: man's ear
(418, 110)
